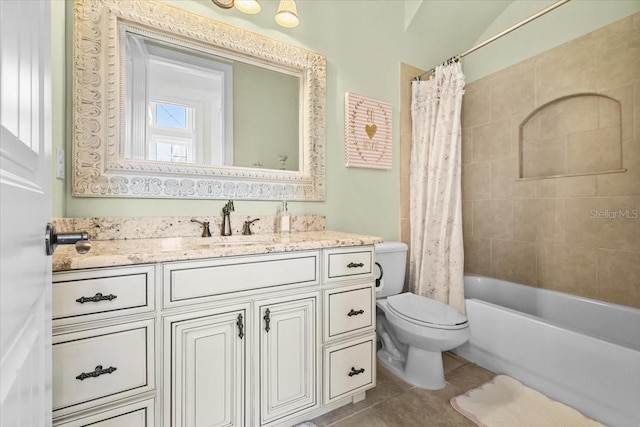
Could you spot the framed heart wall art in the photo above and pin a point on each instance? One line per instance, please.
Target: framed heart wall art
(368, 142)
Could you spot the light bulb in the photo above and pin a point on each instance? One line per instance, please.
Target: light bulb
(287, 15)
(248, 6)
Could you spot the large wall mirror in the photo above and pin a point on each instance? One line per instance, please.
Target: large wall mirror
(169, 104)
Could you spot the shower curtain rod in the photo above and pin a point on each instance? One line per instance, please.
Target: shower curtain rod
(496, 37)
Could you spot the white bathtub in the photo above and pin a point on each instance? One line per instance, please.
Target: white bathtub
(582, 352)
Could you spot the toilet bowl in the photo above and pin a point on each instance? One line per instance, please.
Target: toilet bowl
(413, 330)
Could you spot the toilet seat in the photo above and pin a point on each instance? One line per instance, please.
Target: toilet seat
(426, 311)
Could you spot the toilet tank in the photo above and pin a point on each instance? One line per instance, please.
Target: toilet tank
(392, 256)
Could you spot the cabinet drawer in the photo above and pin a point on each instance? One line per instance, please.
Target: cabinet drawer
(140, 414)
(89, 295)
(202, 281)
(348, 263)
(99, 365)
(348, 310)
(349, 368)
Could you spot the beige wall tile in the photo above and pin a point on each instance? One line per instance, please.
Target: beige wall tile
(476, 103)
(570, 269)
(619, 277)
(514, 261)
(477, 256)
(513, 91)
(467, 219)
(404, 197)
(636, 110)
(624, 96)
(544, 158)
(405, 154)
(493, 219)
(538, 220)
(621, 26)
(599, 222)
(618, 60)
(476, 181)
(543, 230)
(567, 186)
(569, 115)
(504, 184)
(531, 128)
(467, 145)
(566, 70)
(492, 141)
(593, 151)
(627, 183)
(610, 109)
(405, 231)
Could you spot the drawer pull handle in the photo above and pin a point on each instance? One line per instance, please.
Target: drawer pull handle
(355, 313)
(97, 298)
(355, 265)
(98, 371)
(355, 371)
(267, 320)
(240, 325)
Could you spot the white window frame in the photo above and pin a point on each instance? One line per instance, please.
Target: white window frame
(220, 131)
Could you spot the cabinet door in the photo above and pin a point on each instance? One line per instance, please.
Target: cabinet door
(288, 358)
(207, 369)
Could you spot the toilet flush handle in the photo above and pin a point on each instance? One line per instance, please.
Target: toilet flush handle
(379, 279)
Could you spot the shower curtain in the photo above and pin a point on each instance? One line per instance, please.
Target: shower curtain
(436, 266)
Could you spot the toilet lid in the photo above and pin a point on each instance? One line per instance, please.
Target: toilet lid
(425, 310)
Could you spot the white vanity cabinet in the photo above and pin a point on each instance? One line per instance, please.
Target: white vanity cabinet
(349, 365)
(251, 340)
(205, 367)
(104, 338)
(287, 356)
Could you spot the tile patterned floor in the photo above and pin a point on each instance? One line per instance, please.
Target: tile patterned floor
(393, 403)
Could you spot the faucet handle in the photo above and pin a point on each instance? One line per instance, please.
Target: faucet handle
(205, 227)
(246, 230)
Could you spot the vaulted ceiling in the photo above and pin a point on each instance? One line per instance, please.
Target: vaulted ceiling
(455, 24)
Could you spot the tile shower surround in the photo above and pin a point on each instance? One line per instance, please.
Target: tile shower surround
(579, 234)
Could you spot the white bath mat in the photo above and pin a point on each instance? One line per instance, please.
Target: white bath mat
(505, 402)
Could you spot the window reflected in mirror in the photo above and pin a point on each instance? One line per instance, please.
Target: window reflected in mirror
(183, 105)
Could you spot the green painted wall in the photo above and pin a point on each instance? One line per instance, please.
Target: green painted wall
(364, 43)
(58, 96)
(265, 117)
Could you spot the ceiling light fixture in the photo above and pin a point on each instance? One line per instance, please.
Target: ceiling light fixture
(287, 15)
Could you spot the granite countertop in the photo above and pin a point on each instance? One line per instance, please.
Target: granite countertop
(111, 253)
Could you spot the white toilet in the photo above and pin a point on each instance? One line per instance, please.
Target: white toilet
(413, 330)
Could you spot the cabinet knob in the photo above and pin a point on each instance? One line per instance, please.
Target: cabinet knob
(355, 371)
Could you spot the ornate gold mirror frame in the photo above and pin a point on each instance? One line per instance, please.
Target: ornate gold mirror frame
(99, 170)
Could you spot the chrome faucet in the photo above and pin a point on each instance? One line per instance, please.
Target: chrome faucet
(226, 218)
(246, 229)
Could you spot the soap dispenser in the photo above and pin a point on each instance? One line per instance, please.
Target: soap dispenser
(285, 219)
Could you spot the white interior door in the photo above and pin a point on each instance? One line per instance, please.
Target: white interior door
(25, 209)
